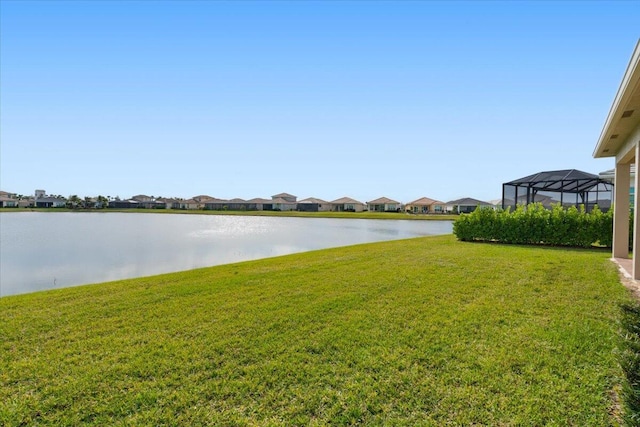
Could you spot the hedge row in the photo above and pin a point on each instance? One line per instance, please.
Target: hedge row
(534, 224)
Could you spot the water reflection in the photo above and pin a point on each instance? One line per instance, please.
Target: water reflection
(47, 250)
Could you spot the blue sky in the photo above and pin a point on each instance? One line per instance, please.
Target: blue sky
(323, 99)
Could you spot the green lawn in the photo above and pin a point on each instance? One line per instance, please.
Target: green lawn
(426, 331)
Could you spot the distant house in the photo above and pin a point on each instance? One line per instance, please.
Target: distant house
(425, 205)
(237, 205)
(213, 204)
(188, 204)
(286, 197)
(26, 203)
(8, 202)
(172, 203)
(148, 202)
(259, 204)
(609, 175)
(202, 199)
(142, 198)
(168, 203)
(284, 202)
(466, 205)
(347, 204)
(312, 204)
(383, 204)
(280, 204)
(124, 204)
(50, 202)
(41, 200)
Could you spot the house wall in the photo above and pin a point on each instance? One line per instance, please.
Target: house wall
(346, 207)
(384, 207)
(418, 209)
(324, 207)
(8, 203)
(284, 206)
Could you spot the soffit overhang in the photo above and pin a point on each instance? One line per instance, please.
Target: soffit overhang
(624, 115)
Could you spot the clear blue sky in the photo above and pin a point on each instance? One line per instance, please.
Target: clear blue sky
(324, 99)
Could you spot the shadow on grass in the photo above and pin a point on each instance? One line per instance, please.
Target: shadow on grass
(630, 362)
(593, 248)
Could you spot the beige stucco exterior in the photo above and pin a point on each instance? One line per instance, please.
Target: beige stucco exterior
(347, 204)
(620, 138)
(425, 205)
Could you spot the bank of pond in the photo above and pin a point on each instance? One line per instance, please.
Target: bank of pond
(43, 250)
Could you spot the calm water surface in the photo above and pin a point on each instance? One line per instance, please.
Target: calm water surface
(53, 250)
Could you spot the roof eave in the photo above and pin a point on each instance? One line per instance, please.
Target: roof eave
(630, 79)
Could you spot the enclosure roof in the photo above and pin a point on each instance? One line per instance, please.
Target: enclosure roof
(566, 180)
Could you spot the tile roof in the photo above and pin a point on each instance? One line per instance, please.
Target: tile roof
(283, 195)
(282, 201)
(202, 198)
(313, 200)
(346, 200)
(382, 200)
(425, 201)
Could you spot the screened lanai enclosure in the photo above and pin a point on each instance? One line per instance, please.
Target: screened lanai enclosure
(568, 187)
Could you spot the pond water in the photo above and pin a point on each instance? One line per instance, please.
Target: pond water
(40, 250)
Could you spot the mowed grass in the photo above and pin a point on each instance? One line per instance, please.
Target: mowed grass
(426, 331)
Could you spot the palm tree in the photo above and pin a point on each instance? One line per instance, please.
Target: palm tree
(103, 202)
(74, 201)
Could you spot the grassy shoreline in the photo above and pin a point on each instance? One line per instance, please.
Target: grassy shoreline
(295, 214)
(426, 331)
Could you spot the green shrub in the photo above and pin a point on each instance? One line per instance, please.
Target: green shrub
(536, 225)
